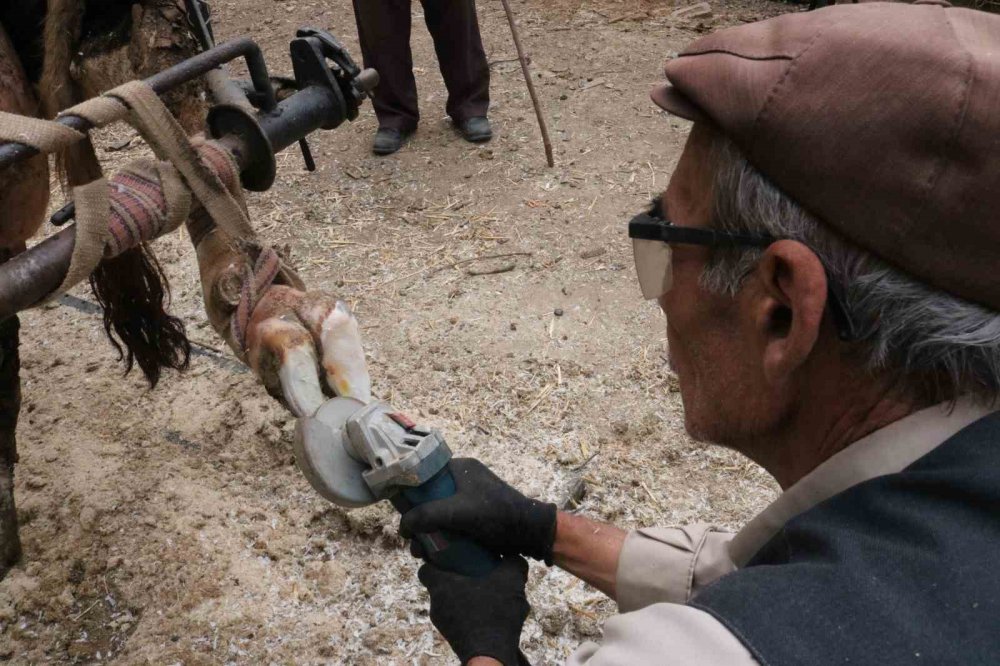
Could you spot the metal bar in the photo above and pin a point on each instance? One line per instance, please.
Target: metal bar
(226, 91)
(35, 273)
(293, 120)
(169, 79)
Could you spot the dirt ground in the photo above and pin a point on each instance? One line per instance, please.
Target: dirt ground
(498, 303)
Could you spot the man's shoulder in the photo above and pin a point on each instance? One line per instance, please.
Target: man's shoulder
(667, 634)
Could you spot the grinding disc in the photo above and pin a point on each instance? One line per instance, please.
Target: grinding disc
(322, 455)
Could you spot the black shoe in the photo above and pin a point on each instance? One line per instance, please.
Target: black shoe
(476, 130)
(388, 140)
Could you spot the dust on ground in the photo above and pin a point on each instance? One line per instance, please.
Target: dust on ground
(498, 303)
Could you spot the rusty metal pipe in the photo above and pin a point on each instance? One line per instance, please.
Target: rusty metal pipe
(169, 79)
(35, 273)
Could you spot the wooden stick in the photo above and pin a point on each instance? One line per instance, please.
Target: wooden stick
(531, 87)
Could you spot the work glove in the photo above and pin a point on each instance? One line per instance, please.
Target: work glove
(487, 511)
(480, 617)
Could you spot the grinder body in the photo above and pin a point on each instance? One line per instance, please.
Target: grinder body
(355, 454)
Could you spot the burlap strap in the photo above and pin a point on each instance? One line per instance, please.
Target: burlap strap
(167, 139)
(176, 194)
(100, 111)
(42, 135)
(48, 136)
(159, 129)
(91, 233)
(181, 173)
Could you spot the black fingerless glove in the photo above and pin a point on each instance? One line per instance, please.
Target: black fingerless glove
(480, 617)
(488, 511)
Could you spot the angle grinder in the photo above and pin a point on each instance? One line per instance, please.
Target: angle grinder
(355, 454)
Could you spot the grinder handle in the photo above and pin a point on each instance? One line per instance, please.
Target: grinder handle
(443, 549)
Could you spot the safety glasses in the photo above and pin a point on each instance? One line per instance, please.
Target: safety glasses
(652, 237)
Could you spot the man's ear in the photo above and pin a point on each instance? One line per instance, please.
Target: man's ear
(789, 307)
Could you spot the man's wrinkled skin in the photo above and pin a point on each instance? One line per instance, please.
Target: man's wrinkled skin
(763, 373)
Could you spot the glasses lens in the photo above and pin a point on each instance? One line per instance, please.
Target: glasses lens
(652, 264)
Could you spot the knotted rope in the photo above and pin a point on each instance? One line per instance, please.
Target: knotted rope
(149, 198)
(256, 282)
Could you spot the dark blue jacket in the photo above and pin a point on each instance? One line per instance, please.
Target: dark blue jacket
(901, 569)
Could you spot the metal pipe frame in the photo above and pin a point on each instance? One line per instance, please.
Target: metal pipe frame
(169, 79)
(32, 275)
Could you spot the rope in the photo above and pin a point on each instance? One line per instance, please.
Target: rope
(42, 135)
(256, 282)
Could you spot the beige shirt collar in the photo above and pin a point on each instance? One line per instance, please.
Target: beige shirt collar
(885, 451)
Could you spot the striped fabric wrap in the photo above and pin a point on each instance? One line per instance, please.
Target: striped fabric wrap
(223, 165)
(138, 207)
(140, 210)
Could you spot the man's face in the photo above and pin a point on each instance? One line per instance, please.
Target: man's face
(710, 337)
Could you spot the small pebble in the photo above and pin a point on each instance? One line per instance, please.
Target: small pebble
(88, 518)
(35, 483)
(558, 312)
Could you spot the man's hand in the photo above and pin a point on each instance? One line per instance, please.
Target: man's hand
(480, 617)
(488, 511)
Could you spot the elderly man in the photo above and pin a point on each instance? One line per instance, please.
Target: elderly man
(826, 255)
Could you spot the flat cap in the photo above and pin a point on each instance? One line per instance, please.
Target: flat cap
(881, 119)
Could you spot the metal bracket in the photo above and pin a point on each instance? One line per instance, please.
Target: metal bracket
(235, 120)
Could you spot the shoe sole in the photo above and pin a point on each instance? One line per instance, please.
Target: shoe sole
(477, 138)
(390, 151)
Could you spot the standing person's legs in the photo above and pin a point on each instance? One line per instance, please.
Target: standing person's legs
(384, 33)
(455, 29)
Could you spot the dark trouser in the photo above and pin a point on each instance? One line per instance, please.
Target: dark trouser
(384, 32)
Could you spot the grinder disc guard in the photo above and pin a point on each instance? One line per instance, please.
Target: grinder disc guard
(322, 453)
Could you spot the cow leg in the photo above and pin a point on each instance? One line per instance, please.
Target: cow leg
(302, 345)
(24, 187)
(10, 405)
(161, 38)
(24, 195)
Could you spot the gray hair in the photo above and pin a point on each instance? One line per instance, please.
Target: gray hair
(935, 346)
